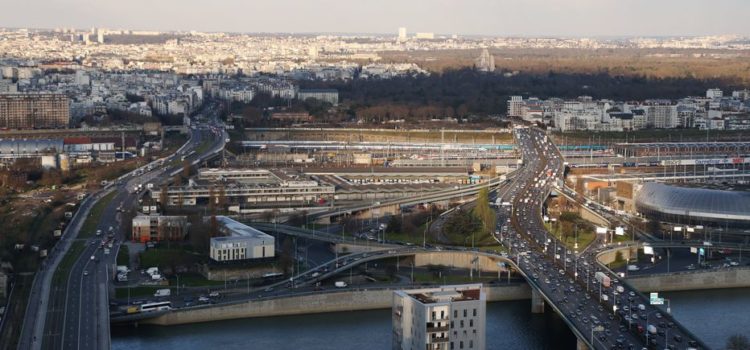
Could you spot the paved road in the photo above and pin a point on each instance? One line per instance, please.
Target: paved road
(76, 316)
(566, 278)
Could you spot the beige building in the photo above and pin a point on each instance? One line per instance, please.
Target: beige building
(159, 228)
(444, 318)
(34, 111)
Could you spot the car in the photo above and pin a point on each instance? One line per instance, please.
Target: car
(85, 273)
(214, 294)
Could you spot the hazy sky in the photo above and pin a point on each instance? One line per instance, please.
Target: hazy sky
(489, 17)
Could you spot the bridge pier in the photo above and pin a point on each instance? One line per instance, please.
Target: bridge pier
(581, 345)
(537, 302)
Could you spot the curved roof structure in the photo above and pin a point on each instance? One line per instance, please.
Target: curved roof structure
(30, 146)
(694, 203)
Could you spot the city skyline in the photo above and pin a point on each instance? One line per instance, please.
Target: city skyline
(579, 18)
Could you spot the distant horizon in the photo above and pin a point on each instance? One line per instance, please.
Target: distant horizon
(481, 18)
(384, 34)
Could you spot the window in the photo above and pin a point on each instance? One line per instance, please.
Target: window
(471, 344)
(452, 345)
(461, 344)
(471, 323)
(433, 315)
(455, 313)
(462, 323)
(475, 312)
(464, 312)
(451, 324)
(442, 314)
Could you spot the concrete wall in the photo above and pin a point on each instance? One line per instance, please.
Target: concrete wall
(586, 214)
(350, 300)
(607, 257)
(460, 260)
(693, 280)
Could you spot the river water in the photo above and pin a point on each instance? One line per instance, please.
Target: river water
(712, 315)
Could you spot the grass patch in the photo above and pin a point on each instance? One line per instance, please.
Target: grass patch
(164, 258)
(585, 238)
(61, 274)
(123, 255)
(193, 280)
(92, 221)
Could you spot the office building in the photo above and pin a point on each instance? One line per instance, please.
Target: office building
(326, 95)
(402, 34)
(444, 318)
(34, 111)
(159, 228)
(240, 242)
(714, 93)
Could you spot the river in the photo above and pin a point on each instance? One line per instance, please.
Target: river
(712, 315)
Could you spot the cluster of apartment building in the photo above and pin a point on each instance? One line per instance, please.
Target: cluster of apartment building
(244, 89)
(714, 111)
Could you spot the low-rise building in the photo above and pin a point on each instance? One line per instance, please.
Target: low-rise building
(159, 228)
(448, 317)
(326, 95)
(241, 242)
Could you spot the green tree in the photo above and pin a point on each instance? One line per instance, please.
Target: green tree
(483, 212)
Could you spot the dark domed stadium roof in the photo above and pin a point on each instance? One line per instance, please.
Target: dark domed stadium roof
(697, 203)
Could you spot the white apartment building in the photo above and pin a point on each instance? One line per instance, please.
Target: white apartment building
(241, 242)
(326, 95)
(515, 106)
(714, 93)
(443, 318)
(661, 115)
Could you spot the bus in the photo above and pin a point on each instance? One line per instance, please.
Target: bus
(272, 276)
(159, 306)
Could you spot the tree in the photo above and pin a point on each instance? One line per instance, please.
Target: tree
(286, 258)
(186, 169)
(394, 224)
(483, 212)
(163, 198)
(738, 342)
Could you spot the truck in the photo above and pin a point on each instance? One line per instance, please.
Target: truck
(165, 292)
(340, 284)
(603, 279)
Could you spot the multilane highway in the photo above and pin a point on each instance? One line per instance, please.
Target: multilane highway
(76, 314)
(566, 280)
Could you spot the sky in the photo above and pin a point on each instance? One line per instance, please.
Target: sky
(579, 18)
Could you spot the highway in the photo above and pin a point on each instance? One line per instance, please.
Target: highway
(76, 315)
(565, 278)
